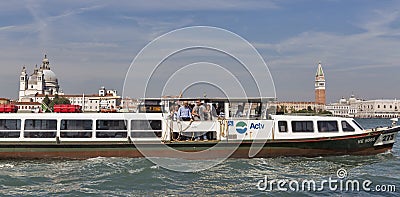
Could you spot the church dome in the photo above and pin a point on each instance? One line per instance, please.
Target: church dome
(32, 80)
(49, 76)
(343, 101)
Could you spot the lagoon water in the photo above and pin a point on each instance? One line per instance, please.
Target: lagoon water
(233, 177)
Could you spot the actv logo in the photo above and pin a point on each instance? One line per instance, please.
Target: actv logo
(241, 127)
(257, 126)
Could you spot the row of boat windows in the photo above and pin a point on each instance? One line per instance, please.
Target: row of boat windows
(53, 134)
(38, 128)
(323, 126)
(39, 124)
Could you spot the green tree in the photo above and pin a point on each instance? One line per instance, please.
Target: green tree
(58, 100)
(45, 103)
(325, 112)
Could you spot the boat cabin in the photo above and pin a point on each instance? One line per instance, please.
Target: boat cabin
(157, 121)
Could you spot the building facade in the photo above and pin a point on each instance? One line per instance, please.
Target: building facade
(381, 108)
(358, 108)
(105, 99)
(344, 108)
(42, 81)
(292, 107)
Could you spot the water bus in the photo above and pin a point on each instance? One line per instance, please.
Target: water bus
(237, 128)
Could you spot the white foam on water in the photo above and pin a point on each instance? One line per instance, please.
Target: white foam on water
(155, 167)
(135, 171)
(6, 166)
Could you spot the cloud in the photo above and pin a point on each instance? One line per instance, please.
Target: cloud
(363, 62)
(102, 37)
(194, 5)
(7, 27)
(379, 23)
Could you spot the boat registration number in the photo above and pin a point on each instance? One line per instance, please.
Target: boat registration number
(389, 137)
(386, 139)
(362, 141)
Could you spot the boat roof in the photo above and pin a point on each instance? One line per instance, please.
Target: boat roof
(297, 117)
(216, 99)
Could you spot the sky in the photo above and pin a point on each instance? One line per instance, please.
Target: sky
(92, 43)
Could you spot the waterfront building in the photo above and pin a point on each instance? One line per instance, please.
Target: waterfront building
(28, 106)
(380, 108)
(105, 99)
(291, 107)
(344, 108)
(358, 108)
(129, 104)
(42, 81)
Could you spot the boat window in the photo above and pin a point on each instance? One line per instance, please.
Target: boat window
(143, 128)
(111, 125)
(302, 126)
(111, 129)
(106, 134)
(146, 134)
(76, 124)
(42, 134)
(75, 134)
(146, 125)
(245, 110)
(327, 126)
(33, 124)
(9, 134)
(10, 128)
(358, 125)
(346, 126)
(282, 125)
(10, 124)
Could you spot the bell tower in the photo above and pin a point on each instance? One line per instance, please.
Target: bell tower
(23, 83)
(320, 95)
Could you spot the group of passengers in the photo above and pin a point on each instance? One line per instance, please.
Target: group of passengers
(197, 112)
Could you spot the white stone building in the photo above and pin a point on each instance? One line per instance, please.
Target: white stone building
(105, 99)
(344, 108)
(384, 108)
(41, 81)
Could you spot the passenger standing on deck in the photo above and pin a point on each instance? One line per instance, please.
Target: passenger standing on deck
(174, 112)
(184, 112)
(199, 111)
(210, 112)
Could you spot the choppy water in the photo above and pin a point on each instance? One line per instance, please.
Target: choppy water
(237, 177)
